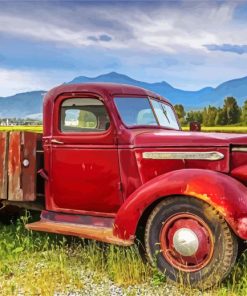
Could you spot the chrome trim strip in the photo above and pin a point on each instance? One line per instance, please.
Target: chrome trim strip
(240, 149)
(211, 155)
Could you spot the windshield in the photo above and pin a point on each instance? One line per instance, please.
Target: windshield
(145, 111)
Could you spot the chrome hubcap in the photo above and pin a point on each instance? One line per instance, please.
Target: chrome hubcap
(185, 242)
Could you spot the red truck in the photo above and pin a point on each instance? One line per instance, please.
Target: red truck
(113, 165)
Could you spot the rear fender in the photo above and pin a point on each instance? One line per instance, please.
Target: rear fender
(224, 193)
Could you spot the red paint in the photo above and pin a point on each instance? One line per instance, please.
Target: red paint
(105, 174)
(151, 168)
(223, 192)
(240, 173)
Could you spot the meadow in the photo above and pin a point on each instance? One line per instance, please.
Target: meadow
(222, 129)
(33, 263)
(30, 128)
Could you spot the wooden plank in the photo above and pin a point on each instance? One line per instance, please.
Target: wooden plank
(3, 165)
(22, 172)
(29, 173)
(14, 167)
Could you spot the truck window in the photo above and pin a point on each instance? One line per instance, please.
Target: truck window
(135, 111)
(165, 114)
(83, 115)
(139, 111)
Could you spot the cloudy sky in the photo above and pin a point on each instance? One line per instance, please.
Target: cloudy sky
(189, 44)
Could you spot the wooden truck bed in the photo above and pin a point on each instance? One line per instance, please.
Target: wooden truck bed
(21, 156)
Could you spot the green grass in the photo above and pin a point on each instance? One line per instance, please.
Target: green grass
(33, 263)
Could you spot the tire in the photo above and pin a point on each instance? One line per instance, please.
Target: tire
(190, 242)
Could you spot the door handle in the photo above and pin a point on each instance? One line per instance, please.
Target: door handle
(54, 141)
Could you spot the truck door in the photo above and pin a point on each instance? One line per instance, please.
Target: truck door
(84, 168)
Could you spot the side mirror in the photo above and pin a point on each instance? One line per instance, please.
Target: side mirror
(195, 126)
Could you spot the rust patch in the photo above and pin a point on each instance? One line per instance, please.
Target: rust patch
(103, 234)
(205, 198)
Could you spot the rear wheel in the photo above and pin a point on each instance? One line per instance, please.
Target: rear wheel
(190, 242)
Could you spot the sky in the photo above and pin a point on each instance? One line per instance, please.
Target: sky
(189, 44)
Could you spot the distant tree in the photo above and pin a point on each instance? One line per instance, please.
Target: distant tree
(181, 113)
(212, 113)
(209, 115)
(194, 116)
(244, 113)
(205, 116)
(81, 118)
(232, 110)
(221, 117)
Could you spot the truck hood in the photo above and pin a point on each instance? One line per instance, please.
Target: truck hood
(161, 138)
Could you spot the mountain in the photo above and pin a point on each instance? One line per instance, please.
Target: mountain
(30, 104)
(190, 99)
(22, 105)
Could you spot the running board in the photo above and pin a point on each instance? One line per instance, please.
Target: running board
(103, 234)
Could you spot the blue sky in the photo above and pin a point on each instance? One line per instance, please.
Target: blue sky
(189, 44)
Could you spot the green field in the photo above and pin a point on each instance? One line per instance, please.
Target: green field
(33, 263)
(223, 129)
(30, 128)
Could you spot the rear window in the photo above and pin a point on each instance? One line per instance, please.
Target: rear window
(83, 115)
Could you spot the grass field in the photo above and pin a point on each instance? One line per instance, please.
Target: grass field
(223, 129)
(31, 128)
(33, 263)
(43, 264)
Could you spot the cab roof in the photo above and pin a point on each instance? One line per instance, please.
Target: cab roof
(102, 89)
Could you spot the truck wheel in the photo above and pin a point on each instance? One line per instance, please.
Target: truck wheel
(190, 242)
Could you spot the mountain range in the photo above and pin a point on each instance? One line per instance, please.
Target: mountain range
(30, 104)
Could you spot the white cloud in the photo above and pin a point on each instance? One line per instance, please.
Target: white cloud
(141, 36)
(166, 28)
(16, 81)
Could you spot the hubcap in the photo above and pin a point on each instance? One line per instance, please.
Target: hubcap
(186, 242)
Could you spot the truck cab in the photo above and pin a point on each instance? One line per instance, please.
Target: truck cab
(116, 167)
(87, 141)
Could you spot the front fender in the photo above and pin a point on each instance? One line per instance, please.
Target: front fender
(224, 193)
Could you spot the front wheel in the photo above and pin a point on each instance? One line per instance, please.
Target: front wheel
(190, 242)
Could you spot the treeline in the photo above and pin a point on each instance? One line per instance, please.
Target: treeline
(19, 121)
(229, 114)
